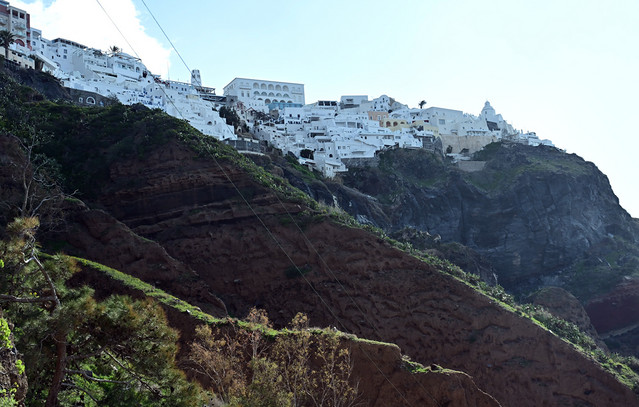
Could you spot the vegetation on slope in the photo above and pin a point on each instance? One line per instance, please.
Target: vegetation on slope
(78, 350)
(84, 142)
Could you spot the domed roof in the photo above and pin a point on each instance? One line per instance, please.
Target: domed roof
(487, 108)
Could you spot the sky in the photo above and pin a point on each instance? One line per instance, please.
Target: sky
(566, 69)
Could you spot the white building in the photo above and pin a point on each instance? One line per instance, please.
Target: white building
(126, 78)
(263, 95)
(352, 101)
(331, 132)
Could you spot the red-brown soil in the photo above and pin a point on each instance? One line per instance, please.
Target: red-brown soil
(355, 281)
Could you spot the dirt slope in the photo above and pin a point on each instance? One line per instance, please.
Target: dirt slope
(189, 208)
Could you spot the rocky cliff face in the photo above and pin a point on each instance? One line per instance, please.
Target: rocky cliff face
(533, 211)
(352, 280)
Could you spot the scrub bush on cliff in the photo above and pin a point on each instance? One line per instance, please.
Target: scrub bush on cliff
(302, 367)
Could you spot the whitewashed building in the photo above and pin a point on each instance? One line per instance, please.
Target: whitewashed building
(263, 95)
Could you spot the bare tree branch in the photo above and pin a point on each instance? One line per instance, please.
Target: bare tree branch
(28, 300)
(87, 374)
(85, 391)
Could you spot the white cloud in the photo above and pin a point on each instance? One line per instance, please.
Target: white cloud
(85, 22)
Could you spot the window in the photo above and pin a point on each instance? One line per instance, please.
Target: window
(91, 100)
(442, 121)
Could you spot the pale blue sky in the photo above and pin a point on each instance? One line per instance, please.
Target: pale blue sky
(565, 69)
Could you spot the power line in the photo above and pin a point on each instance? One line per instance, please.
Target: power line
(117, 28)
(166, 36)
(270, 233)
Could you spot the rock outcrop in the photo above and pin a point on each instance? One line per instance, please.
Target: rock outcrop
(533, 211)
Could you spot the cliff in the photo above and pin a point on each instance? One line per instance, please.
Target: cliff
(532, 211)
(192, 216)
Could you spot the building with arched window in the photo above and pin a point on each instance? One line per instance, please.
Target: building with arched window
(17, 22)
(259, 94)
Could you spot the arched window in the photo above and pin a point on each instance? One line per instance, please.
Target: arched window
(290, 102)
(267, 101)
(80, 100)
(263, 93)
(286, 95)
(270, 87)
(256, 85)
(394, 124)
(91, 100)
(271, 94)
(256, 93)
(387, 124)
(263, 86)
(278, 87)
(278, 94)
(285, 88)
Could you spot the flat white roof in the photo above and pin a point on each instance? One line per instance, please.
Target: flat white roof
(265, 80)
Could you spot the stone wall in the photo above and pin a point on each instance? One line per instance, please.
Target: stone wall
(85, 98)
(472, 143)
(361, 162)
(471, 166)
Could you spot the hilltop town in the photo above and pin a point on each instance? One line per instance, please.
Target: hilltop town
(327, 135)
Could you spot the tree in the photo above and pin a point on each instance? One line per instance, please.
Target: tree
(114, 49)
(37, 62)
(115, 352)
(421, 104)
(6, 39)
(231, 116)
(34, 189)
(307, 153)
